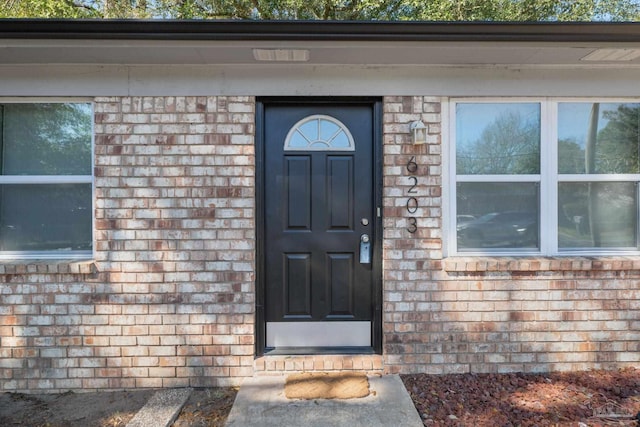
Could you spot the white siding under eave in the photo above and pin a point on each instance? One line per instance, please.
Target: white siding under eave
(308, 80)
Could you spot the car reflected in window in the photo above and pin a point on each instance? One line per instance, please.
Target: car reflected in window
(462, 220)
(512, 229)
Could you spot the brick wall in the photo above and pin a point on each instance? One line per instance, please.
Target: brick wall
(489, 314)
(410, 260)
(169, 301)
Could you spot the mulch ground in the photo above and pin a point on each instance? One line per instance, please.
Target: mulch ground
(570, 399)
(207, 407)
(101, 409)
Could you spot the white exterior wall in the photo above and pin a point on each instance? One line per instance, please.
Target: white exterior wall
(317, 80)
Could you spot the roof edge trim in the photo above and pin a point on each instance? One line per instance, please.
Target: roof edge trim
(319, 30)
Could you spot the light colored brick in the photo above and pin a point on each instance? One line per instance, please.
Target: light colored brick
(175, 236)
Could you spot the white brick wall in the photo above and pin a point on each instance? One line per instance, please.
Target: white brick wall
(169, 300)
(489, 314)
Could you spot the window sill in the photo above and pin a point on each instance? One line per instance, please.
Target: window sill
(48, 266)
(540, 264)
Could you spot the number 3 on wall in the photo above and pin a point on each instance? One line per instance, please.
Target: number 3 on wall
(413, 225)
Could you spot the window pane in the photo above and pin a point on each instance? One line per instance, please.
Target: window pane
(47, 139)
(497, 138)
(341, 141)
(45, 217)
(328, 130)
(598, 138)
(597, 215)
(497, 215)
(298, 141)
(310, 129)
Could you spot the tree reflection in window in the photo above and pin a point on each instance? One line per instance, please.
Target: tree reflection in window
(319, 133)
(599, 150)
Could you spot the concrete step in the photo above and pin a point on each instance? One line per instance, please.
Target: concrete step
(261, 403)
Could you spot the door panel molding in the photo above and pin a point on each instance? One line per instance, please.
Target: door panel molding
(298, 214)
(298, 268)
(340, 194)
(341, 285)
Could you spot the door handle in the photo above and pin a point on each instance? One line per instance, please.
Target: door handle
(365, 249)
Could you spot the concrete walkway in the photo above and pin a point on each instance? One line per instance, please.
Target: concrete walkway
(261, 403)
(162, 409)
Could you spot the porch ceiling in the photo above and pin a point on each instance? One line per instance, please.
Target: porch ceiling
(328, 43)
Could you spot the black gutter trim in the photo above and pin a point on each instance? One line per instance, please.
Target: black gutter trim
(319, 30)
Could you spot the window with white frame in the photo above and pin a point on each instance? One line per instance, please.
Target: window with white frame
(544, 176)
(46, 179)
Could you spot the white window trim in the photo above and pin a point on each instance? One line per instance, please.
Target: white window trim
(548, 178)
(548, 182)
(46, 179)
(55, 179)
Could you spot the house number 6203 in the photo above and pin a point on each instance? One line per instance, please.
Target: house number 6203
(412, 202)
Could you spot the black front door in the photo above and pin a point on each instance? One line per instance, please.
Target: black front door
(319, 224)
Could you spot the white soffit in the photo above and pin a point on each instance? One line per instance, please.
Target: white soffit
(385, 53)
(612, 55)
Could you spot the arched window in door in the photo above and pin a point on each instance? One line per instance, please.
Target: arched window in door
(319, 133)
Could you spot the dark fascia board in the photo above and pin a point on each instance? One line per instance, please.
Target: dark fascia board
(318, 30)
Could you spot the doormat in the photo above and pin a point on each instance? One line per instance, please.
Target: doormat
(325, 385)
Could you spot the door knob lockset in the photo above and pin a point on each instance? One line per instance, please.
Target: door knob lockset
(365, 249)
